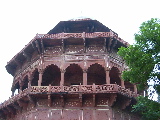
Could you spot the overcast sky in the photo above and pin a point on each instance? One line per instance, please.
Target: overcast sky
(21, 20)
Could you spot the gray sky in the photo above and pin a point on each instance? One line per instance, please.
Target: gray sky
(20, 20)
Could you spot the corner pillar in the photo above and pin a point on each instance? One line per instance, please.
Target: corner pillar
(84, 77)
(122, 81)
(62, 77)
(40, 77)
(107, 76)
(29, 81)
(21, 86)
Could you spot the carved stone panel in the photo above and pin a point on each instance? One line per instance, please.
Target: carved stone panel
(72, 49)
(102, 114)
(55, 114)
(88, 114)
(72, 114)
(50, 51)
(95, 48)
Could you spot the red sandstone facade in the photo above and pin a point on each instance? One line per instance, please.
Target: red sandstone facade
(71, 73)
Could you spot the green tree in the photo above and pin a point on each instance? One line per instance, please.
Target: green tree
(143, 60)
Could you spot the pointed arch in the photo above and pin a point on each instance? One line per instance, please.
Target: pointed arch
(51, 75)
(35, 77)
(73, 75)
(96, 74)
(114, 76)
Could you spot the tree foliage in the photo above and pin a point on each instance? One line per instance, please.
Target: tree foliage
(143, 60)
(148, 108)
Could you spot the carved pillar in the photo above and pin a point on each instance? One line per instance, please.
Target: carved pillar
(62, 77)
(29, 81)
(84, 77)
(122, 81)
(21, 85)
(40, 77)
(107, 76)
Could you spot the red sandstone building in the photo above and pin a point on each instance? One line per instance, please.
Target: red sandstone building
(71, 73)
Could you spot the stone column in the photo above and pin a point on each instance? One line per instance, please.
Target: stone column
(84, 77)
(122, 81)
(29, 81)
(107, 76)
(40, 77)
(62, 77)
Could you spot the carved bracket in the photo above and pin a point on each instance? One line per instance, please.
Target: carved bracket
(22, 103)
(80, 99)
(5, 111)
(2, 114)
(49, 101)
(94, 100)
(27, 55)
(42, 46)
(125, 102)
(32, 100)
(109, 44)
(113, 45)
(112, 99)
(38, 46)
(19, 63)
(11, 110)
(16, 106)
(62, 100)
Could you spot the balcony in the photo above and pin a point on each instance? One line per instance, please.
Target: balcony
(73, 89)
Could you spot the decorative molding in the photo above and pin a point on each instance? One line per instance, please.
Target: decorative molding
(22, 103)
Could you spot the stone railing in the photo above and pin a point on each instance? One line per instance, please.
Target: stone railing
(110, 88)
(73, 89)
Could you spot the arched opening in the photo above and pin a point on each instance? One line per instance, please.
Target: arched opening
(114, 76)
(96, 74)
(25, 85)
(129, 85)
(51, 75)
(35, 78)
(73, 75)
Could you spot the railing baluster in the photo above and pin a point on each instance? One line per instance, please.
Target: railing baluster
(80, 88)
(49, 88)
(62, 88)
(94, 87)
